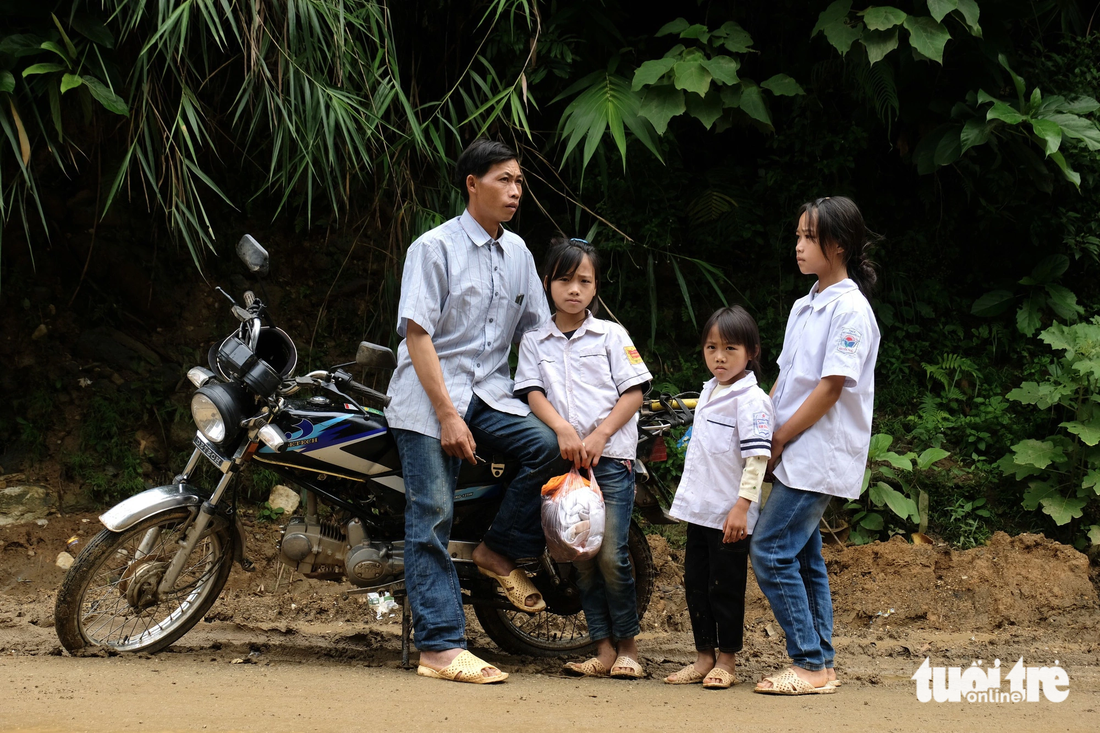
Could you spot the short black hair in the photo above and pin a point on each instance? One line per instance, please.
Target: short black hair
(476, 160)
(735, 326)
(563, 259)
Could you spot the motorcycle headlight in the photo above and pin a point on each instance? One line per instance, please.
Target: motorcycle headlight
(218, 410)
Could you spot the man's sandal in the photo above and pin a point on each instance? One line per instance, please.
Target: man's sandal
(464, 668)
(626, 668)
(719, 679)
(789, 683)
(589, 668)
(518, 587)
(686, 676)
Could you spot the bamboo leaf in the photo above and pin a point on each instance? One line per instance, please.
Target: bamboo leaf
(684, 292)
(110, 101)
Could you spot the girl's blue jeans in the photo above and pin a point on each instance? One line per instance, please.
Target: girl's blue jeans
(786, 558)
(606, 582)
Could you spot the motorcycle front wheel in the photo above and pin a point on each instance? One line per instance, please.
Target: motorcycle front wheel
(561, 628)
(109, 597)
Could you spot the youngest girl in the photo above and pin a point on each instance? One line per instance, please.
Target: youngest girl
(719, 494)
(583, 377)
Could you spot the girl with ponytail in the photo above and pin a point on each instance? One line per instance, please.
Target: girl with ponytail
(823, 399)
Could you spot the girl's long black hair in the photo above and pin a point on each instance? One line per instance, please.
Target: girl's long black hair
(563, 259)
(836, 220)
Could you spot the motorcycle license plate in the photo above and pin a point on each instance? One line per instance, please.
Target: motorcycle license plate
(211, 452)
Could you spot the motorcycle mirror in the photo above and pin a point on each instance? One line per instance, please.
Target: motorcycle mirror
(374, 356)
(253, 255)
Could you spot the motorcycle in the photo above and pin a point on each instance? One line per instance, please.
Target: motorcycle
(164, 555)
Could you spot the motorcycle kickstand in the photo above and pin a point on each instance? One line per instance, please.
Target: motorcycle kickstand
(406, 629)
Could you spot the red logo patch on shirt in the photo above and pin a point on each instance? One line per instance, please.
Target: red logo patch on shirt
(761, 423)
(632, 355)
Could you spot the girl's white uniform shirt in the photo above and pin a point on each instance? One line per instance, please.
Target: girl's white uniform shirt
(735, 425)
(831, 333)
(584, 376)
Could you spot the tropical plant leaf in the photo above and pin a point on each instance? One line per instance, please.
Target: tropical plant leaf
(880, 443)
(1038, 453)
(110, 101)
(927, 36)
(975, 132)
(684, 292)
(732, 37)
(879, 43)
(1088, 432)
(44, 68)
(1063, 509)
(841, 35)
(723, 69)
(940, 8)
(930, 456)
(94, 31)
(1048, 269)
(1063, 302)
(782, 85)
(608, 102)
(836, 11)
(7, 81)
(883, 18)
(692, 76)
(1048, 133)
(1094, 534)
(1081, 106)
(1038, 491)
(873, 521)
(70, 81)
(992, 304)
(1078, 128)
(705, 109)
(899, 503)
(1029, 317)
(752, 102)
(651, 72)
(676, 26)
(970, 13)
(661, 104)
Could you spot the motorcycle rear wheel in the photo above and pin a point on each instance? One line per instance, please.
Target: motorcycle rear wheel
(108, 598)
(561, 628)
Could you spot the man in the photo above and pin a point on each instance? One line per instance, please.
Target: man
(468, 291)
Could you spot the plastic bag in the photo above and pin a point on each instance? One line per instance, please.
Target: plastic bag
(573, 516)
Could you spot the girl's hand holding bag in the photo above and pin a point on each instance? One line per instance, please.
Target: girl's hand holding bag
(572, 516)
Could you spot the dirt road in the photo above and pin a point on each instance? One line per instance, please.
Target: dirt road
(286, 654)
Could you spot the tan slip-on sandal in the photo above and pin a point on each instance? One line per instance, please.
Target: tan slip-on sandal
(464, 668)
(789, 683)
(719, 679)
(518, 587)
(686, 676)
(626, 668)
(589, 668)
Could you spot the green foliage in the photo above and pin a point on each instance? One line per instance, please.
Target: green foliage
(267, 513)
(878, 29)
(896, 487)
(1064, 468)
(1042, 291)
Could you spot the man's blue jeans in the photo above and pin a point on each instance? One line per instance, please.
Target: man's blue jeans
(430, 478)
(608, 597)
(789, 567)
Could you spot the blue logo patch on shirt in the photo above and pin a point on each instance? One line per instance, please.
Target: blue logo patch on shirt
(849, 341)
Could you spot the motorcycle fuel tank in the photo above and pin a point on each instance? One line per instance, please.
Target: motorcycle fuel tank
(335, 438)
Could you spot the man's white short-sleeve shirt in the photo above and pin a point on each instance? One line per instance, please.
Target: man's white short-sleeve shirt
(735, 425)
(584, 376)
(831, 333)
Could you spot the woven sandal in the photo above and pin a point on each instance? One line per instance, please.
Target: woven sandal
(589, 668)
(518, 587)
(626, 668)
(464, 668)
(724, 679)
(686, 676)
(789, 683)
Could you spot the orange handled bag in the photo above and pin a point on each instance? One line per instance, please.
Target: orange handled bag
(573, 516)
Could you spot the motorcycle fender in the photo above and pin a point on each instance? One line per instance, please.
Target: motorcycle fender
(141, 506)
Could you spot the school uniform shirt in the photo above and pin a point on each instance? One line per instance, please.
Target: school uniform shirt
(475, 296)
(728, 428)
(583, 376)
(831, 333)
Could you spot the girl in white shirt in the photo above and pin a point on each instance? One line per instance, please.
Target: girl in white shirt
(719, 492)
(823, 399)
(583, 377)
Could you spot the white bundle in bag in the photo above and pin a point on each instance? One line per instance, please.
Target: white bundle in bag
(573, 516)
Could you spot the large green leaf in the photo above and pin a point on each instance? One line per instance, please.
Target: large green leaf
(975, 132)
(723, 69)
(1094, 534)
(752, 102)
(992, 304)
(732, 37)
(949, 147)
(705, 109)
(1030, 315)
(675, 26)
(692, 76)
(883, 17)
(927, 36)
(1063, 509)
(970, 13)
(1028, 393)
(902, 462)
(110, 101)
(1078, 128)
(1048, 269)
(899, 503)
(930, 456)
(661, 104)
(651, 72)
(873, 521)
(1081, 106)
(1036, 492)
(879, 444)
(1017, 80)
(879, 43)
(608, 103)
(45, 68)
(1063, 301)
(782, 85)
(836, 11)
(1049, 133)
(940, 8)
(7, 81)
(842, 36)
(70, 81)
(1038, 453)
(1092, 480)
(1088, 432)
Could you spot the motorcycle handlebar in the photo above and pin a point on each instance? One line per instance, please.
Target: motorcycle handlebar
(372, 394)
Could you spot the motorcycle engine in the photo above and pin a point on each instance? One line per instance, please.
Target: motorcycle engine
(330, 552)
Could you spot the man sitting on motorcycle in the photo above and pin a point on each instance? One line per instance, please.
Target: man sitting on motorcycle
(469, 290)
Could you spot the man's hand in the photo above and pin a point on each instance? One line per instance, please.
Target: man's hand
(593, 447)
(736, 525)
(570, 444)
(456, 438)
